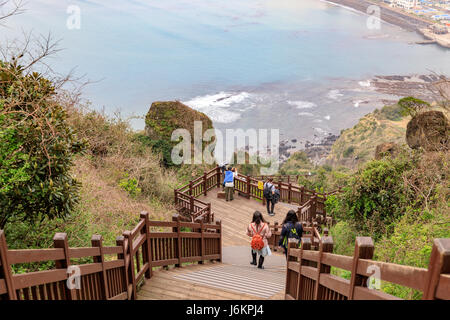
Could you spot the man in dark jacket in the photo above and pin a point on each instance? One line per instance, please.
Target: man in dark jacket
(269, 195)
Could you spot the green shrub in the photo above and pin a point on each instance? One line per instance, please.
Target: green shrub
(348, 152)
(130, 185)
(344, 235)
(412, 106)
(37, 148)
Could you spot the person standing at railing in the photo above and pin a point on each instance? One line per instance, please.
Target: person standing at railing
(292, 229)
(259, 231)
(269, 195)
(230, 174)
(223, 168)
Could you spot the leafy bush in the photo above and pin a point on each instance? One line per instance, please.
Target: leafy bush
(344, 235)
(37, 148)
(348, 152)
(375, 195)
(412, 106)
(130, 185)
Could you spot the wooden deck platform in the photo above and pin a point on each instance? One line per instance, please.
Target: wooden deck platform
(234, 278)
(237, 214)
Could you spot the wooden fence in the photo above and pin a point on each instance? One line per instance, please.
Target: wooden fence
(247, 186)
(186, 196)
(309, 273)
(115, 272)
(310, 231)
(291, 178)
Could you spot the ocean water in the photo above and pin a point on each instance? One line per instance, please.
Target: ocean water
(301, 66)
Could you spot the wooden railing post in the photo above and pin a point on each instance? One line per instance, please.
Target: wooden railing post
(289, 192)
(439, 264)
(202, 242)
(179, 242)
(326, 245)
(132, 276)
(281, 193)
(275, 229)
(176, 218)
(363, 250)
(190, 188)
(248, 187)
(205, 177)
(97, 241)
(302, 195)
(306, 245)
(191, 204)
(219, 223)
(120, 241)
(146, 247)
(210, 217)
(290, 245)
(60, 241)
(313, 208)
(176, 196)
(218, 176)
(5, 268)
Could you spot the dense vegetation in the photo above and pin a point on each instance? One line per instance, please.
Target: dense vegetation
(37, 148)
(401, 201)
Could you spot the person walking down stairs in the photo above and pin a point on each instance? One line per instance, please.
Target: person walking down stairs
(269, 195)
(230, 174)
(292, 229)
(259, 231)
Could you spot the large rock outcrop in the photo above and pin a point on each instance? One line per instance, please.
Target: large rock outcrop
(429, 130)
(165, 117)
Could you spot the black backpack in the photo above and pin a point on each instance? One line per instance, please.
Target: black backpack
(292, 235)
(267, 191)
(277, 195)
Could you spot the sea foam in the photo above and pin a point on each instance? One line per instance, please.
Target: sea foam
(302, 104)
(334, 94)
(217, 106)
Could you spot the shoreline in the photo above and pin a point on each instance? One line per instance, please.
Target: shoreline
(387, 14)
(399, 18)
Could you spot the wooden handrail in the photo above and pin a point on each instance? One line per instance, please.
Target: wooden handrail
(313, 281)
(138, 251)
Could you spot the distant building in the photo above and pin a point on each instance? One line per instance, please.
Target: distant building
(405, 4)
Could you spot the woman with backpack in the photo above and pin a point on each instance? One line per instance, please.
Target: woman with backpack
(259, 231)
(292, 229)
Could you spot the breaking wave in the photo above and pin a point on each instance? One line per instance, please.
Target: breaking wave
(217, 106)
(302, 104)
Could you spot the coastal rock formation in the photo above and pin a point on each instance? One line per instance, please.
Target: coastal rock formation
(388, 148)
(317, 152)
(165, 117)
(429, 130)
(358, 144)
(403, 86)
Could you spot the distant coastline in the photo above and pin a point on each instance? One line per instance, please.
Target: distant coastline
(389, 15)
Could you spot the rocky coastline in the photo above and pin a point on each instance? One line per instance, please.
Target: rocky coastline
(394, 85)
